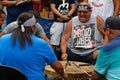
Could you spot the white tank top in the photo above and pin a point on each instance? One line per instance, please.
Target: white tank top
(85, 37)
(104, 8)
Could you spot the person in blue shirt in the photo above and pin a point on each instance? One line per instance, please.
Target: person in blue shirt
(27, 52)
(108, 60)
(13, 9)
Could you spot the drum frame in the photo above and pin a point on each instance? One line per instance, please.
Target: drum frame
(82, 75)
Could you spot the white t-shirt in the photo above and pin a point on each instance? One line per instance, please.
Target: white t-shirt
(104, 8)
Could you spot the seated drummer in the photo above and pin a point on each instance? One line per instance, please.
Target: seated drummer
(27, 52)
(108, 60)
(81, 38)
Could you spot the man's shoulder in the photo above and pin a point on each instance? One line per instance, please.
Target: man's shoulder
(112, 44)
(38, 25)
(12, 24)
(75, 17)
(6, 37)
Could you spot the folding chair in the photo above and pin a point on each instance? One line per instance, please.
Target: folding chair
(10, 73)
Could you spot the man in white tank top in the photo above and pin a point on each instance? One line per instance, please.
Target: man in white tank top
(82, 38)
(105, 8)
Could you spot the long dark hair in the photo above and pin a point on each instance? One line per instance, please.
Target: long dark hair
(23, 37)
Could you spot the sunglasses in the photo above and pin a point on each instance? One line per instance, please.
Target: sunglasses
(84, 7)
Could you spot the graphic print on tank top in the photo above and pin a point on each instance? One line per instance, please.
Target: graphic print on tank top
(97, 3)
(83, 36)
(64, 7)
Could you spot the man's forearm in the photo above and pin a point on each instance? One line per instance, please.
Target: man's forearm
(57, 12)
(63, 46)
(95, 76)
(57, 66)
(116, 7)
(36, 1)
(12, 3)
(71, 12)
(8, 3)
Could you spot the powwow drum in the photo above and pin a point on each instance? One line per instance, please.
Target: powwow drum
(75, 70)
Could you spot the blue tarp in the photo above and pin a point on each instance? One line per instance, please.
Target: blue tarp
(46, 24)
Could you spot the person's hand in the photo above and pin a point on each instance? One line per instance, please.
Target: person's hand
(64, 56)
(65, 76)
(66, 17)
(63, 18)
(60, 19)
(95, 53)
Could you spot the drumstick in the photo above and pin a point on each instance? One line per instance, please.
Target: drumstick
(81, 69)
(85, 64)
(66, 64)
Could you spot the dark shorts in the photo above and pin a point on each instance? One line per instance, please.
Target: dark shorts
(76, 57)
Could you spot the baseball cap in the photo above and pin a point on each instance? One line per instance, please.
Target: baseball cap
(113, 22)
(84, 7)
